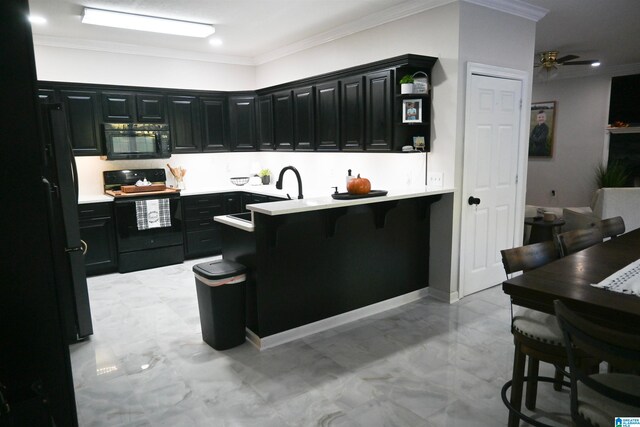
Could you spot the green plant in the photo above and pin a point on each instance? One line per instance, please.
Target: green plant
(407, 78)
(615, 174)
(264, 172)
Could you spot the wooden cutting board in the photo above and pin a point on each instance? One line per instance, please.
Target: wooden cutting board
(142, 189)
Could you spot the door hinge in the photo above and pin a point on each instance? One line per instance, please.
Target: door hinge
(521, 104)
(516, 179)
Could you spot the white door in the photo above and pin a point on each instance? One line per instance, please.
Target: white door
(492, 132)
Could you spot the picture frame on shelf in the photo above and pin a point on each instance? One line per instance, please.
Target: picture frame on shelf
(411, 111)
(418, 142)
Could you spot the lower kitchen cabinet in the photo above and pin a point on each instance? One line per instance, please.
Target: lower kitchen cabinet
(202, 234)
(97, 230)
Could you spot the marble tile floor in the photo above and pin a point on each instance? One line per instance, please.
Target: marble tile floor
(424, 364)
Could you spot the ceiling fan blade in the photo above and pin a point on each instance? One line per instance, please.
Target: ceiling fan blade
(587, 62)
(566, 58)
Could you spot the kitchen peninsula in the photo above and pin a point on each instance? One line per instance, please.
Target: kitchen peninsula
(317, 263)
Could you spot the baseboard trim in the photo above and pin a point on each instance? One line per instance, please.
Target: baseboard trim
(263, 343)
(449, 297)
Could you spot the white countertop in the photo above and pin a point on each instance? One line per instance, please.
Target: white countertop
(326, 202)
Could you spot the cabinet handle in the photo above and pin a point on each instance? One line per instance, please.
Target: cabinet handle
(85, 247)
(204, 223)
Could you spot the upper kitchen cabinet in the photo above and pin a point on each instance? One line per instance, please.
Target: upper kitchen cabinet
(265, 122)
(303, 119)
(352, 113)
(150, 108)
(214, 123)
(328, 116)
(379, 111)
(283, 120)
(242, 122)
(184, 119)
(83, 118)
(118, 107)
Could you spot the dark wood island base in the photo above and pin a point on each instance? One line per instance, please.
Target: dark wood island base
(310, 266)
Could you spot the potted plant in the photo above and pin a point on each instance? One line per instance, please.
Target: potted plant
(406, 84)
(615, 174)
(265, 176)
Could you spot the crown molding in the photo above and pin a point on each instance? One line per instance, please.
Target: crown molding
(390, 14)
(514, 7)
(130, 49)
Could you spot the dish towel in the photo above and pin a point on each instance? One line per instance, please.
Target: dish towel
(153, 214)
(626, 281)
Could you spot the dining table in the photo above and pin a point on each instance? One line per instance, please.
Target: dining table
(569, 279)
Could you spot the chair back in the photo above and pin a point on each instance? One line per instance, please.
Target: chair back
(621, 350)
(611, 227)
(525, 258)
(577, 240)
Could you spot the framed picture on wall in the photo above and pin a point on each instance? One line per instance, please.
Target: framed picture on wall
(543, 119)
(412, 111)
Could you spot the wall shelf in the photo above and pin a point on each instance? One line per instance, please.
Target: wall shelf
(630, 129)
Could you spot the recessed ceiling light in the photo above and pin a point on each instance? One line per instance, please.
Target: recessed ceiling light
(153, 24)
(595, 64)
(215, 41)
(37, 19)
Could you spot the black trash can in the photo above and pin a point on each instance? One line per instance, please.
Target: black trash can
(221, 301)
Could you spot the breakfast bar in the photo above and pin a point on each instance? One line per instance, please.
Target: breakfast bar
(319, 262)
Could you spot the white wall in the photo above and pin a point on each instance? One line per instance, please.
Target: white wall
(88, 66)
(582, 109)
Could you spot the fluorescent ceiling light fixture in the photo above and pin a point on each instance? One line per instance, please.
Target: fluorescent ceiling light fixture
(595, 64)
(37, 19)
(130, 21)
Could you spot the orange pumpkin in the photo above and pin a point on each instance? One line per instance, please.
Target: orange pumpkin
(359, 186)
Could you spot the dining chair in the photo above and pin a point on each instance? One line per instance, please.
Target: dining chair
(611, 227)
(577, 240)
(598, 398)
(536, 334)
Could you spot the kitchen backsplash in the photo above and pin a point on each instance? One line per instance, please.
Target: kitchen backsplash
(319, 171)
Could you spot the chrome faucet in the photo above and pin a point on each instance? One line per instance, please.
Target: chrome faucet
(279, 181)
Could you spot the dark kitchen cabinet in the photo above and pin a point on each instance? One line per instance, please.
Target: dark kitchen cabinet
(233, 203)
(46, 96)
(118, 107)
(83, 118)
(150, 108)
(184, 119)
(201, 233)
(97, 230)
(242, 123)
(328, 116)
(283, 120)
(379, 106)
(303, 119)
(264, 122)
(352, 113)
(214, 123)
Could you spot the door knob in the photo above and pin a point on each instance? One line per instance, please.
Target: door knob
(473, 200)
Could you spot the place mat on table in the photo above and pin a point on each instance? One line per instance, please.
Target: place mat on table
(626, 280)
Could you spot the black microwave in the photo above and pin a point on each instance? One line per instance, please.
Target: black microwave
(137, 141)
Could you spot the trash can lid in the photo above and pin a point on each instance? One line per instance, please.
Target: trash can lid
(220, 269)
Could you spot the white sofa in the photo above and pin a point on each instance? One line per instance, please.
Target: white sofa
(608, 203)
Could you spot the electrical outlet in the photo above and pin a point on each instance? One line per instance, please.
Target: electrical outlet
(435, 179)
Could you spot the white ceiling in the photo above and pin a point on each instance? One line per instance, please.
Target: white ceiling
(256, 31)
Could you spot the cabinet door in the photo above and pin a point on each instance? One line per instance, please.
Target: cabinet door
(303, 113)
(118, 107)
(99, 235)
(151, 108)
(82, 111)
(283, 120)
(328, 116)
(214, 123)
(265, 122)
(352, 114)
(185, 124)
(242, 121)
(233, 203)
(379, 106)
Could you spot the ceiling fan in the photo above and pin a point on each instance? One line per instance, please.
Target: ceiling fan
(549, 61)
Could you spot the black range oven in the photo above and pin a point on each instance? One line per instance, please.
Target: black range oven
(143, 247)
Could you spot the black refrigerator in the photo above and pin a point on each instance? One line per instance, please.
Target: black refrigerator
(61, 183)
